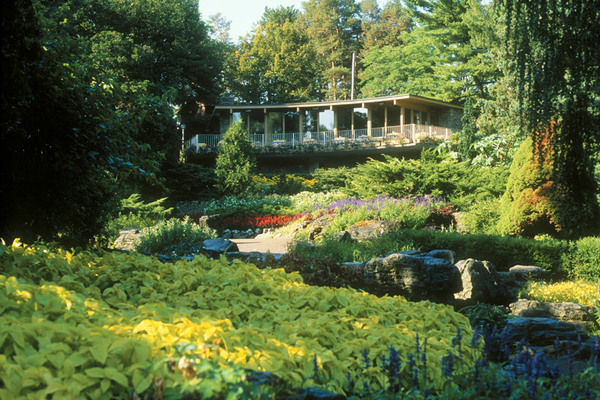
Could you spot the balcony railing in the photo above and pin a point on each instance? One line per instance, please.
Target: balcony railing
(392, 135)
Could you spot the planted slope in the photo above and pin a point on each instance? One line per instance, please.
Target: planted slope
(102, 326)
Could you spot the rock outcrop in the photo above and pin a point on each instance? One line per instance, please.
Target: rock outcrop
(482, 284)
(416, 276)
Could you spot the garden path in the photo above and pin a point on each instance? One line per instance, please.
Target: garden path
(264, 245)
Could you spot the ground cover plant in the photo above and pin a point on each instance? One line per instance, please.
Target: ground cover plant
(106, 324)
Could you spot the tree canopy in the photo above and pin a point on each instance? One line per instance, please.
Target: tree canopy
(557, 69)
(88, 88)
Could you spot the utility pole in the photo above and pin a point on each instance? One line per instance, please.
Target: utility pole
(353, 63)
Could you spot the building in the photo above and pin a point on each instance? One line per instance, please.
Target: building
(403, 119)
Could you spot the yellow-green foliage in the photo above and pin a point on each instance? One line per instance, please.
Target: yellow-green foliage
(583, 293)
(285, 184)
(101, 326)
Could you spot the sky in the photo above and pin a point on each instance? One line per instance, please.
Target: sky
(243, 14)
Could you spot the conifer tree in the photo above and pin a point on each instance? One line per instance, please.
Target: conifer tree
(235, 162)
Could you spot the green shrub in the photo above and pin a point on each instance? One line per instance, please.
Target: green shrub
(331, 179)
(583, 261)
(482, 217)
(173, 237)
(235, 162)
(134, 213)
(187, 182)
(461, 184)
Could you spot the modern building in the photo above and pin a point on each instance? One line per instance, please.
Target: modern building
(402, 118)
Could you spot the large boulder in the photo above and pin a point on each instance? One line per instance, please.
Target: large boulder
(218, 246)
(482, 284)
(528, 272)
(541, 332)
(215, 222)
(415, 276)
(576, 314)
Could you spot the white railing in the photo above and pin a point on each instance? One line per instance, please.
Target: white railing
(395, 135)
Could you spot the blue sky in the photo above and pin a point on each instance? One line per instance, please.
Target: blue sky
(243, 14)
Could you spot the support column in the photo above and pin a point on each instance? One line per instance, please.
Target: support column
(266, 127)
(369, 121)
(385, 119)
(352, 124)
(401, 117)
(319, 126)
(300, 125)
(335, 123)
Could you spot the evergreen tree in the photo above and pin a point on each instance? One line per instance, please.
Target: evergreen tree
(235, 162)
(333, 27)
(557, 67)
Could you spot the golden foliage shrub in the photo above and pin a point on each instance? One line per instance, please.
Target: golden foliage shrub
(101, 326)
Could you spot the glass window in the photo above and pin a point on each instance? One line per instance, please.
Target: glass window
(326, 120)
(408, 116)
(393, 116)
(361, 115)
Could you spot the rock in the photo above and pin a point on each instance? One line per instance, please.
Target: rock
(127, 239)
(528, 272)
(212, 221)
(227, 234)
(481, 284)
(342, 236)
(313, 394)
(218, 246)
(447, 255)
(540, 332)
(416, 277)
(576, 314)
(353, 265)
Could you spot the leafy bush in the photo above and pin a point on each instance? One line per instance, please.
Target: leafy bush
(106, 323)
(135, 213)
(284, 184)
(167, 236)
(583, 261)
(333, 179)
(481, 217)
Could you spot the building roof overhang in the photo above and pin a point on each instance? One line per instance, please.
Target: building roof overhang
(404, 100)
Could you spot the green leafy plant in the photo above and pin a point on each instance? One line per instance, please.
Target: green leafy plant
(174, 237)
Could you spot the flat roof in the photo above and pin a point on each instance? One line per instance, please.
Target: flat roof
(400, 100)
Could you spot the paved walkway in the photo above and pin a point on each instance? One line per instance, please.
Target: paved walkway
(270, 245)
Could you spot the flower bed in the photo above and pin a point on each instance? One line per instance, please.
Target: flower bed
(258, 221)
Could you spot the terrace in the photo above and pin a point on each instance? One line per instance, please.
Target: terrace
(382, 121)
